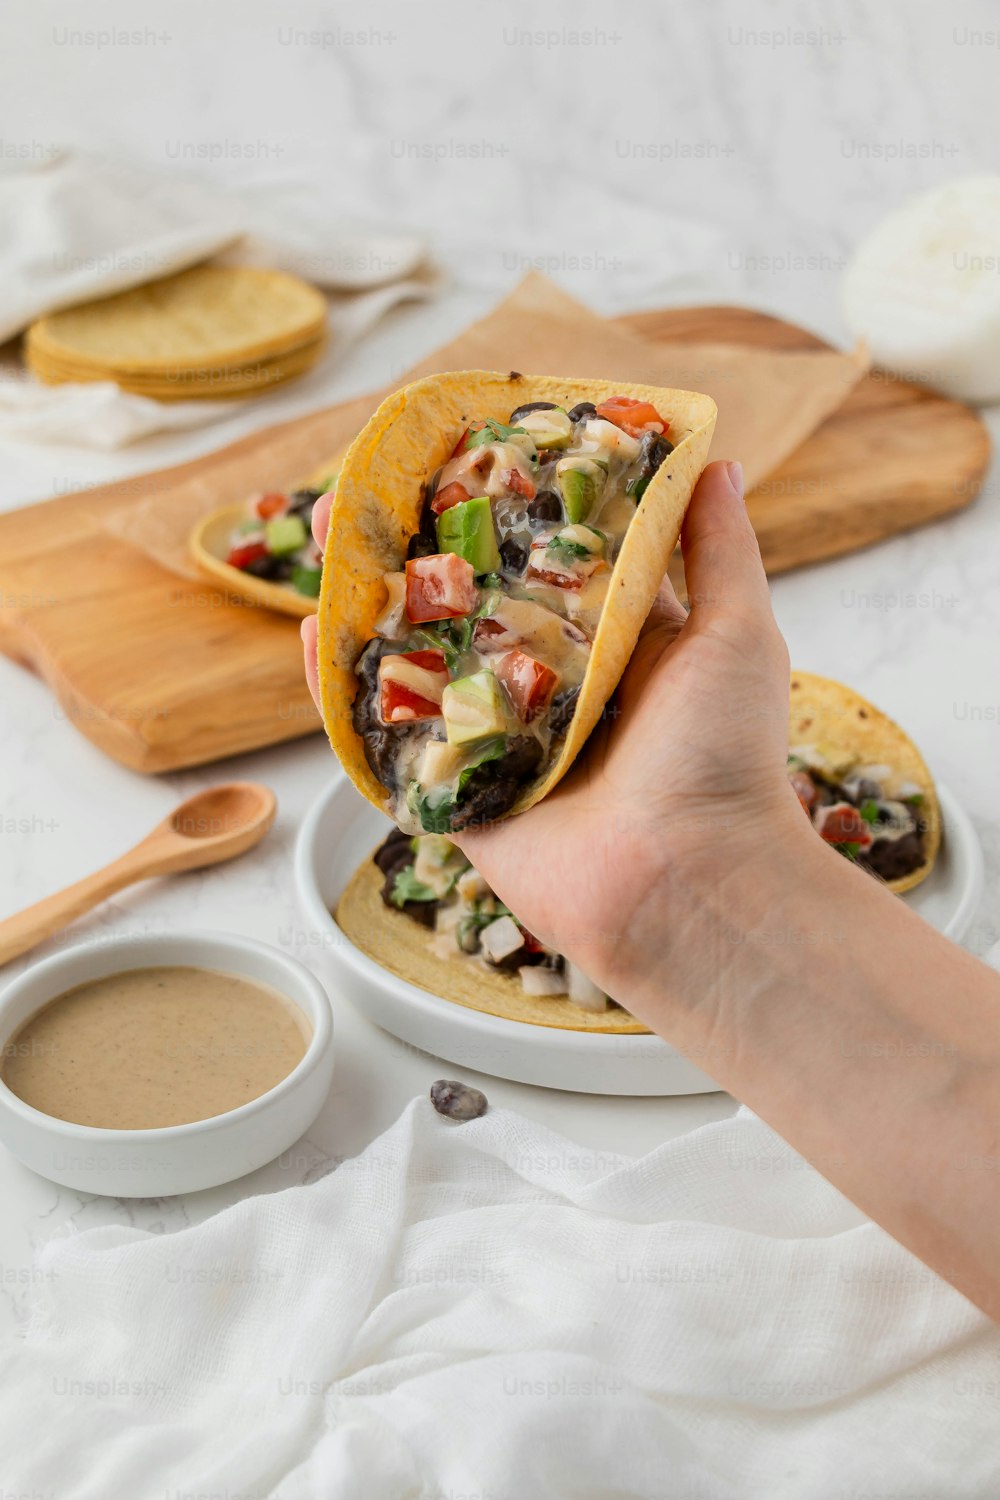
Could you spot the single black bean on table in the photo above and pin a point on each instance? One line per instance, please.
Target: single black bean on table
(458, 1101)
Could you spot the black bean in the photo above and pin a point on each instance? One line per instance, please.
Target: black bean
(513, 555)
(510, 962)
(424, 542)
(422, 545)
(304, 500)
(546, 506)
(893, 858)
(424, 912)
(493, 787)
(561, 710)
(522, 411)
(381, 744)
(263, 567)
(582, 410)
(387, 855)
(458, 1101)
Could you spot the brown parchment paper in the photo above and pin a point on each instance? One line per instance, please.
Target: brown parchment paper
(769, 402)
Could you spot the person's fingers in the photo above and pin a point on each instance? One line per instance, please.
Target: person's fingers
(309, 651)
(321, 519)
(666, 610)
(725, 576)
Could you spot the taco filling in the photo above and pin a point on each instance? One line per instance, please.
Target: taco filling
(869, 813)
(430, 880)
(470, 681)
(274, 541)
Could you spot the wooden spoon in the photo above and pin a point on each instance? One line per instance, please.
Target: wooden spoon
(208, 828)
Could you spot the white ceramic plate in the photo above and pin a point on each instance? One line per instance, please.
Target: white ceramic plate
(341, 829)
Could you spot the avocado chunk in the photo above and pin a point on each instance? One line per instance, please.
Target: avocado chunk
(467, 528)
(285, 534)
(549, 429)
(582, 482)
(473, 709)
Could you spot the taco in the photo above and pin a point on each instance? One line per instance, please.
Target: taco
(263, 550)
(495, 545)
(862, 782)
(420, 910)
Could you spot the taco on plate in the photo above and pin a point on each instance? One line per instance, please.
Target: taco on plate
(862, 781)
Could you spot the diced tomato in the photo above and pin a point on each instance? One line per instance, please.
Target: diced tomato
(804, 788)
(439, 587)
(528, 683)
(460, 445)
(484, 634)
(530, 941)
(557, 580)
(431, 661)
(840, 823)
(632, 416)
(271, 505)
(400, 680)
(242, 557)
(452, 494)
(519, 483)
(401, 705)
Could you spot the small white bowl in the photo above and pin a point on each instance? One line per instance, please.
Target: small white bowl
(172, 1158)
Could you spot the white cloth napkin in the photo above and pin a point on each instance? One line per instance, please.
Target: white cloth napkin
(488, 1310)
(79, 228)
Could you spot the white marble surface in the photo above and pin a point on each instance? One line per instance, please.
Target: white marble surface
(642, 155)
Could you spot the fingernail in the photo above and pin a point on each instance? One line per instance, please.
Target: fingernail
(302, 629)
(735, 471)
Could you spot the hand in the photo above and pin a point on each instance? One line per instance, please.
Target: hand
(320, 526)
(684, 777)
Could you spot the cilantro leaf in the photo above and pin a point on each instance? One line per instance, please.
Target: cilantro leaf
(849, 851)
(563, 547)
(869, 810)
(492, 750)
(406, 887)
(491, 432)
(434, 811)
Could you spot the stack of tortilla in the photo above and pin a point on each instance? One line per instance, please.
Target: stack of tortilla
(209, 332)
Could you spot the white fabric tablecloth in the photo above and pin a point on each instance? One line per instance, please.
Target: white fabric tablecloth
(488, 1310)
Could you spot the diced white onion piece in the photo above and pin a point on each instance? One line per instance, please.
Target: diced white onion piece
(878, 773)
(471, 887)
(539, 980)
(439, 763)
(584, 992)
(500, 939)
(909, 789)
(391, 623)
(449, 917)
(436, 862)
(611, 438)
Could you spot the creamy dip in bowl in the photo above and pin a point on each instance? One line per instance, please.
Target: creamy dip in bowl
(141, 1068)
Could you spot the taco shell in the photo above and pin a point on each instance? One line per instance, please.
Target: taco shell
(377, 509)
(402, 946)
(824, 712)
(209, 543)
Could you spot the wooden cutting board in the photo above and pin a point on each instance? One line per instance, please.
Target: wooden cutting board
(163, 673)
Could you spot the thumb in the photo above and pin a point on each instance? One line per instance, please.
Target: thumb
(722, 566)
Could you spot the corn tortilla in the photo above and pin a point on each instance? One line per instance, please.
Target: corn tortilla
(822, 711)
(402, 946)
(377, 510)
(196, 319)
